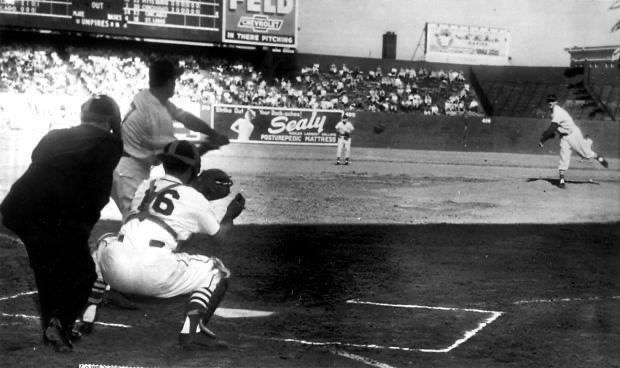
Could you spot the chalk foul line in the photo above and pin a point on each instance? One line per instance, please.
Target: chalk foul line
(359, 358)
(29, 317)
(564, 300)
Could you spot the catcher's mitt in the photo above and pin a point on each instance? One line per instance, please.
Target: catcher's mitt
(213, 184)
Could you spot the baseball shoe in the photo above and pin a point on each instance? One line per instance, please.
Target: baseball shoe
(86, 324)
(562, 184)
(346, 162)
(204, 329)
(75, 334)
(603, 162)
(337, 163)
(200, 341)
(55, 336)
(82, 328)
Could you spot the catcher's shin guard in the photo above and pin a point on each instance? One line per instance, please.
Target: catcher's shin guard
(216, 299)
(202, 304)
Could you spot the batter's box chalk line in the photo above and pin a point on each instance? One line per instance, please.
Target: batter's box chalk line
(108, 366)
(221, 312)
(492, 316)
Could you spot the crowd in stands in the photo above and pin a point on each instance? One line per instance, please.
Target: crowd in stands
(25, 69)
(121, 74)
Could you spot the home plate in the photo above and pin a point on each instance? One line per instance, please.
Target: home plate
(241, 313)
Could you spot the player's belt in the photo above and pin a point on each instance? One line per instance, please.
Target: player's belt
(152, 242)
(141, 216)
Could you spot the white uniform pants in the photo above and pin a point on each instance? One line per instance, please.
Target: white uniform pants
(344, 147)
(156, 272)
(128, 175)
(574, 142)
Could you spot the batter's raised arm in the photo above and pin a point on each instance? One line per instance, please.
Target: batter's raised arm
(192, 122)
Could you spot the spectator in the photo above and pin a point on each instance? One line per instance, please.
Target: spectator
(473, 106)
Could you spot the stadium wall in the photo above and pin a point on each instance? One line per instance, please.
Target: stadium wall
(479, 134)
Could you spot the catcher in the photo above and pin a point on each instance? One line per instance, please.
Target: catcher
(143, 259)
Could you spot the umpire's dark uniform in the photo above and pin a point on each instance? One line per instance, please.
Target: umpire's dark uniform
(55, 204)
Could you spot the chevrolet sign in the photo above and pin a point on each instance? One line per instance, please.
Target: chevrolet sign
(260, 23)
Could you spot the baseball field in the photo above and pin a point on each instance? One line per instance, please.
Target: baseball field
(402, 259)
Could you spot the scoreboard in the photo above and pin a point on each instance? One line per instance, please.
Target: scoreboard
(183, 20)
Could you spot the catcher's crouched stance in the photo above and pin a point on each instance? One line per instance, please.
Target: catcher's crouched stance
(143, 258)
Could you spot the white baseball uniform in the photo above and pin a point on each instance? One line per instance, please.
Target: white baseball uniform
(146, 129)
(571, 138)
(143, 258)
(344, 129)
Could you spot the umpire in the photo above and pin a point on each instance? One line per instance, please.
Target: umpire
(54, 206)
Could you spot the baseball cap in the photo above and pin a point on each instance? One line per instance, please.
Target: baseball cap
(552, 98)
(162, 70)
(182, 151)
(100, 108)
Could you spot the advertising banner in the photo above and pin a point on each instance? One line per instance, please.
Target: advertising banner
(255, 124)
(450, 43)
(260, 22)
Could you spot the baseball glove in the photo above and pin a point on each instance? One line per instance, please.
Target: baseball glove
(213, 184)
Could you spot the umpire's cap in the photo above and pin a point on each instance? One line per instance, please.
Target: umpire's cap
(161, 71)
(101, 109)
(181, 152)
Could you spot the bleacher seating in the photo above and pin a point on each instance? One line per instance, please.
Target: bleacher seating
(121, 72)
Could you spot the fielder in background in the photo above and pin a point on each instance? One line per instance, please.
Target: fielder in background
(144, 258)
(571, 138)
(344, 131)
(54, 206)
(148, 127)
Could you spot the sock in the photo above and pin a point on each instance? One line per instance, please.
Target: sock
(94, 300)
(96, 293)
(90, 313)
(192, 318)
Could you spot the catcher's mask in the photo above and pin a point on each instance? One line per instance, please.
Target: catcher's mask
(101, 109)
(220, 177)
(183, 152)
(213, 184)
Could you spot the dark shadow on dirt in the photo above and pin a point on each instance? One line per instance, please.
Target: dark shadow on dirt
(306, 274)
(556, 182)
(314, 265)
